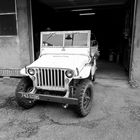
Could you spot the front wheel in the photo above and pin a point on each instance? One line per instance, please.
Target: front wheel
(84, 93)
(25, 85)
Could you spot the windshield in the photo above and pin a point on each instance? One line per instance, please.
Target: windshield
(65, 39)
(52, 39)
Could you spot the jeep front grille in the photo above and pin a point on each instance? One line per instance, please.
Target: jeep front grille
(51, 79)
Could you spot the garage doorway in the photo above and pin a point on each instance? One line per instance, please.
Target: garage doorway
(111, 24)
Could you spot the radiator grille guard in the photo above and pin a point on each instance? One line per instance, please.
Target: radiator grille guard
(50, 78)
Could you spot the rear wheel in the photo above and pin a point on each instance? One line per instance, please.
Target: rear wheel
(84, 93)
(25, 85)
(92, 78)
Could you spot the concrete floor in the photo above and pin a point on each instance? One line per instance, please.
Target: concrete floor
(110, 70)
(111, 74)
(115, 116)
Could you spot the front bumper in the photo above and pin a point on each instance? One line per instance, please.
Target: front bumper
(50, 98)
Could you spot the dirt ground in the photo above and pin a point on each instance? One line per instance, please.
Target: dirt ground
(115, 116)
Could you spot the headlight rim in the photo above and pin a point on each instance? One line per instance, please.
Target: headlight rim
(29, 71)
(71, 71)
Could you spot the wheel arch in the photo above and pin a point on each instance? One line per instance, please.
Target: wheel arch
(23, 72)
(84, 73)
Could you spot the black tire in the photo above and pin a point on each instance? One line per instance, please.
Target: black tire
(24, 85)
(84, 93)
(93, 80)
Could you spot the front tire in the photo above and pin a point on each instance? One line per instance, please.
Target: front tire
(84, 93)
(25, 85)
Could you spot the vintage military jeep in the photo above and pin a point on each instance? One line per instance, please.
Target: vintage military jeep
(63, 73)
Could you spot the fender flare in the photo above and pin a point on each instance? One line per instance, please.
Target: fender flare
(84, 73)
(23, 72)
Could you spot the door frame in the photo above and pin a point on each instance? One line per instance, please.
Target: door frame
(30, 25)
(132, 41)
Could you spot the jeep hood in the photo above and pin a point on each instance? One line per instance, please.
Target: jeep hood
(61, 61)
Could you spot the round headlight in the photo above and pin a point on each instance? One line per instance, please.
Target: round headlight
(31, 71)
(69, 73)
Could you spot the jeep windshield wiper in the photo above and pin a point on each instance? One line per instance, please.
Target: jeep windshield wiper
(50, 36)
(46, 42)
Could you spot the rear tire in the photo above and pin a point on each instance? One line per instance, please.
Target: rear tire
(93, 80)
(24, 85)
(84, 93)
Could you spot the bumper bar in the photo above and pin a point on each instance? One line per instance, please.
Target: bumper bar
(50, 98)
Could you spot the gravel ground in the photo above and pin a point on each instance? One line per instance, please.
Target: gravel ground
(115, 116)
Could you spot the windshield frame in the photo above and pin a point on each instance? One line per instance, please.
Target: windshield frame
(64, 33)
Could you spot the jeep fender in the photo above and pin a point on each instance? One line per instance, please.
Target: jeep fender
(85, 72)
(23, 72)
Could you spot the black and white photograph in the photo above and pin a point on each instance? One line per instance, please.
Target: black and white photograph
(69, 69)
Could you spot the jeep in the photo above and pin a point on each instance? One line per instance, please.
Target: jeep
(63, 73)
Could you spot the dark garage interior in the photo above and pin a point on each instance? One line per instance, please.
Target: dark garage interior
(110, 21)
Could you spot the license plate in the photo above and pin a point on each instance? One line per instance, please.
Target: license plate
(30, 96)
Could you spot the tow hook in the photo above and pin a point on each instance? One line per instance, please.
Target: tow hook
(65, 106)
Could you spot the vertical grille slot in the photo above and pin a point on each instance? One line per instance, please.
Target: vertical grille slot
(59, 79)
(43, 77)
(40, 75)
(50, 78)
(37, 77)
(63, 78)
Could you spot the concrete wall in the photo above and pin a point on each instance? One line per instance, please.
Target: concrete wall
(14, 51)
(135, 74)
